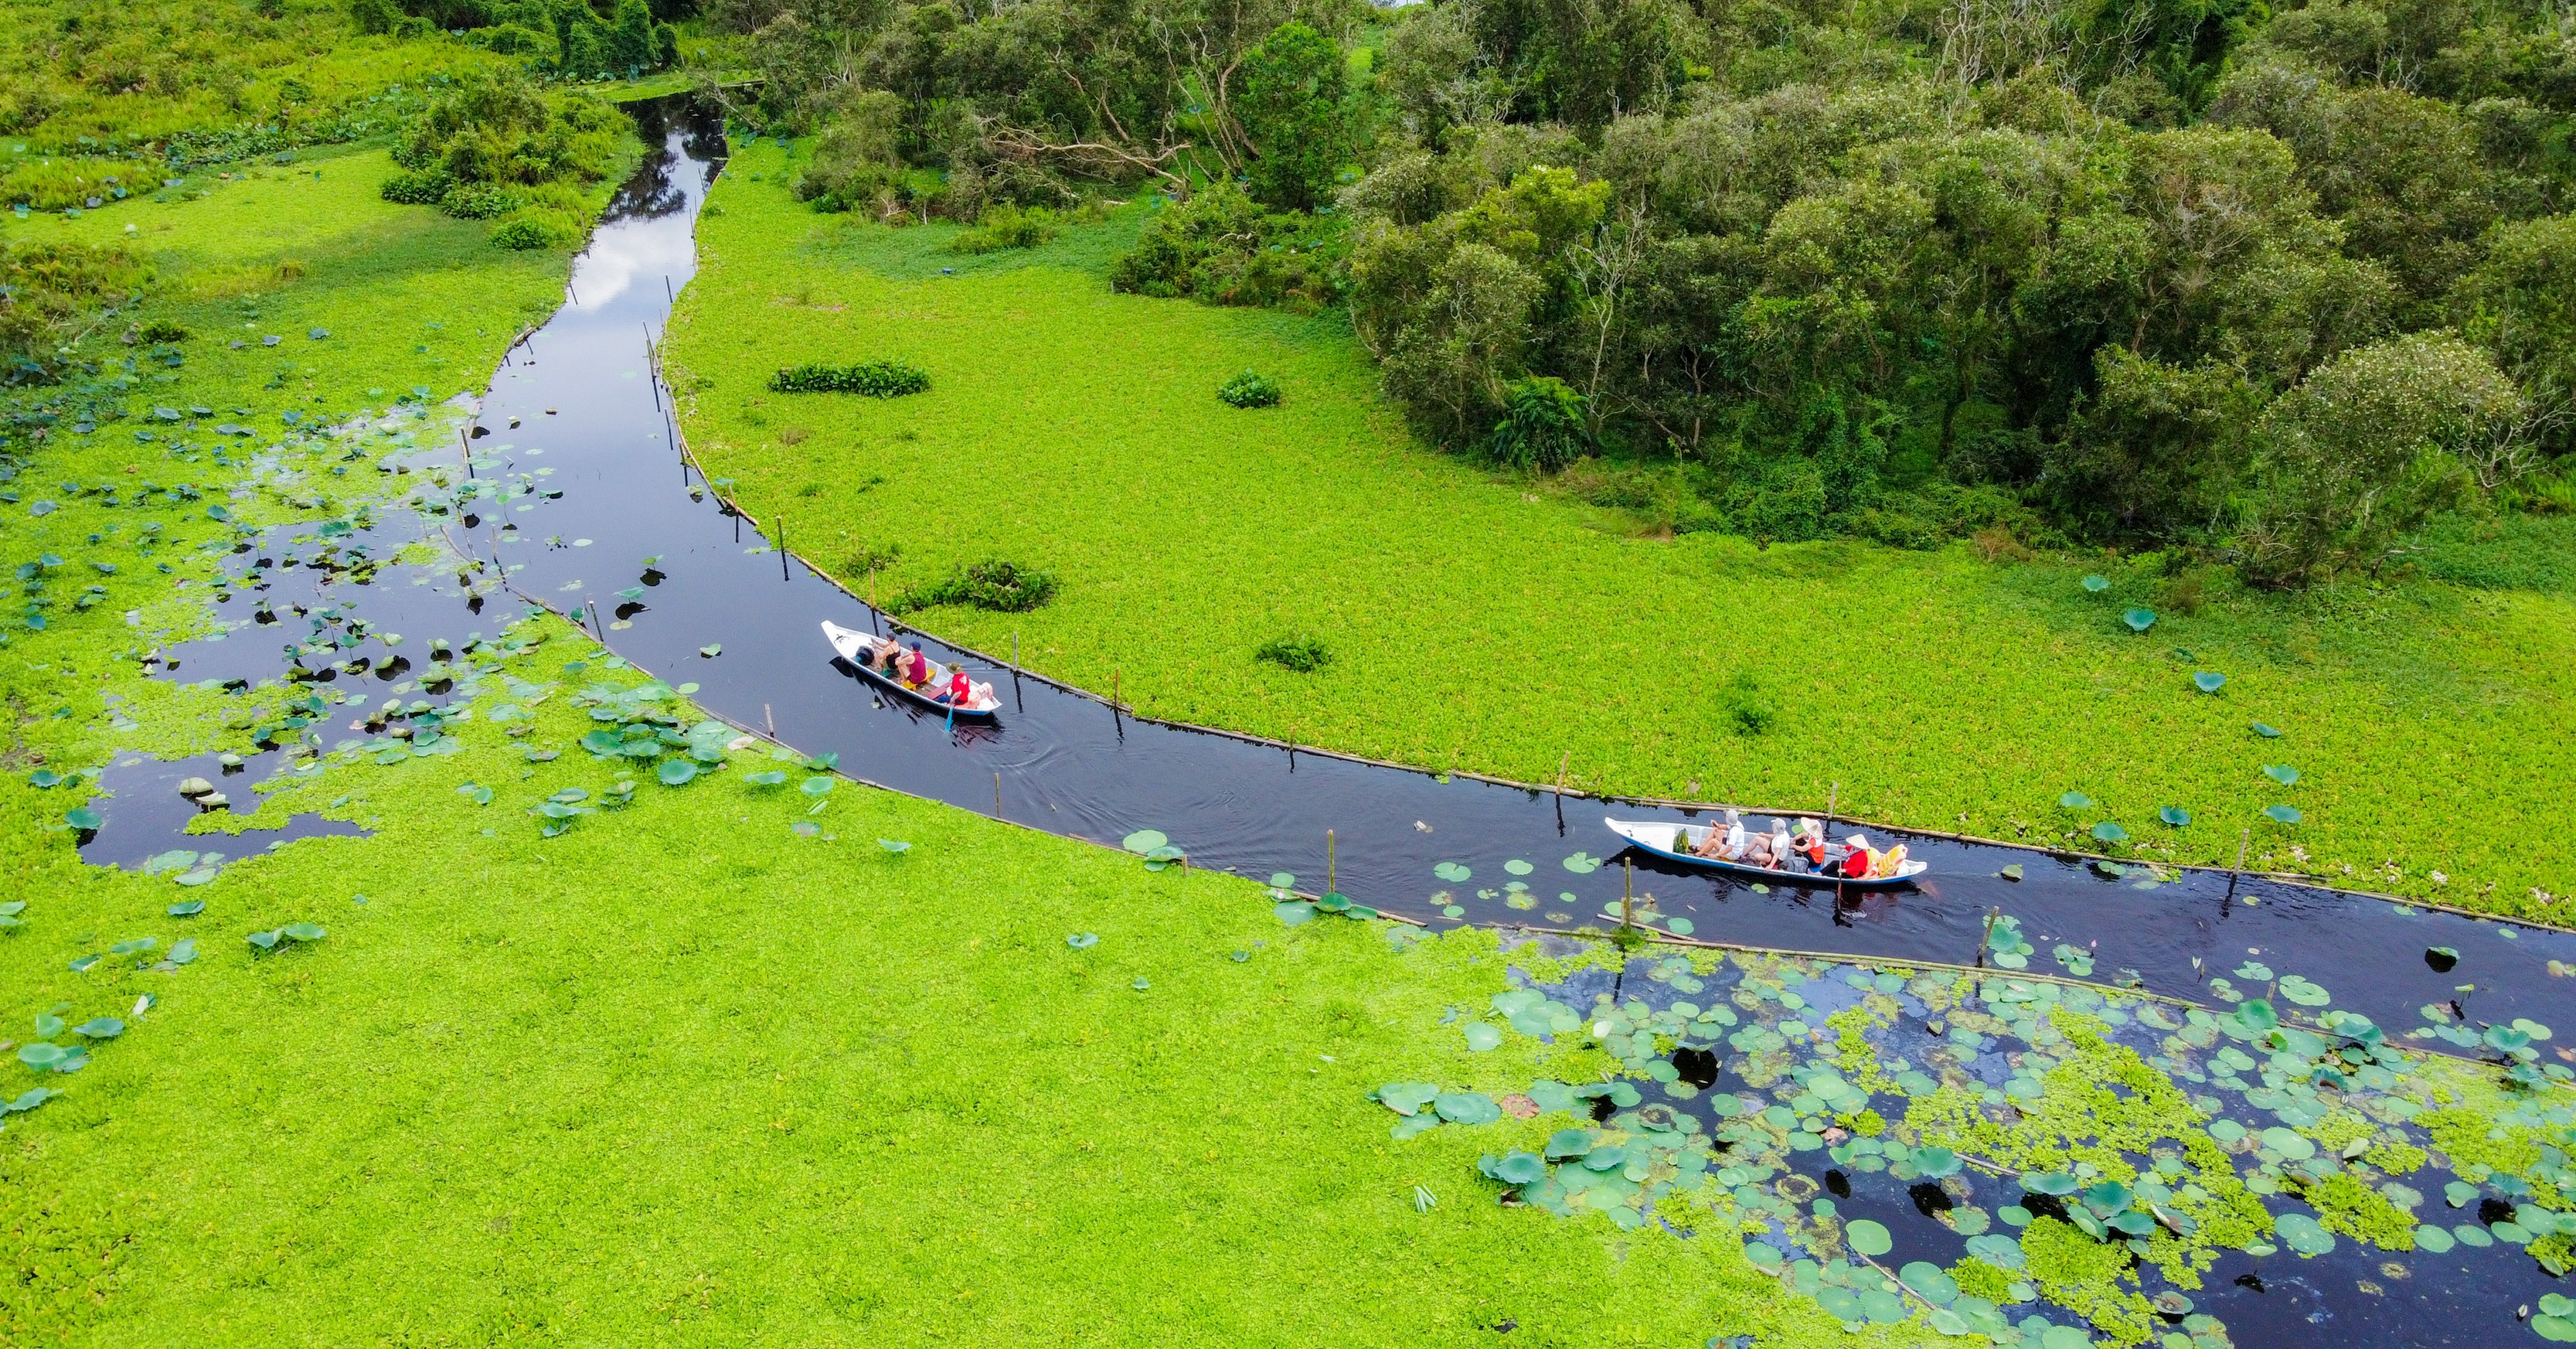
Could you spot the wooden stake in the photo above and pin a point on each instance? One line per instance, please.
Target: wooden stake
(768, 721)
(1330, 862)
(1989, 939)
(2243, 840)
(997, 795)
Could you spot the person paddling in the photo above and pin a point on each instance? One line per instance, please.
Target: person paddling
(961, 690)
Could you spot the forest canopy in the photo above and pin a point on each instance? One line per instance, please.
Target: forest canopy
(2267, 288)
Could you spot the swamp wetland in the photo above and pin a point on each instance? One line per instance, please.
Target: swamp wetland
(446, 862)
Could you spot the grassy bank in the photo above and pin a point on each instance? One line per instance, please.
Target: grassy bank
(1475, 624)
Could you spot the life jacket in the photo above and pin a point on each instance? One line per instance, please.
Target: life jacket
(1888, 863)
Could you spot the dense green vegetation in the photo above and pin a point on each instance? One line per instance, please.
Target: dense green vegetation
(2256, 291)
(1484, 625)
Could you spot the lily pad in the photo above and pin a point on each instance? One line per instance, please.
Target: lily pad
(1467, 1107)
(82, 817)
(1454, 873)
(1518, 867)
(1294, 911)
(711, 650)
(1482, 1036)
(2208, 681)
(2108, 832)
(894, 845)
(2284, 814)
(2139, 620)
(2267, 732)
(674, 772)
(2075, 801)
(101, 1028)
(2175, 816)
(2300, 1233)
(2304, 993)
(1144, 841)
(2281, 773)
(1583, 864)
(2056, 1183)
(2012, 872)
(817, 785)
(2097, 584)
(1869, 1238)
(1083, 941)
(188, 908)
(1519, 1168)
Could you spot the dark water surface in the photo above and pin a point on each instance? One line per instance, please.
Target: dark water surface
(577, 410)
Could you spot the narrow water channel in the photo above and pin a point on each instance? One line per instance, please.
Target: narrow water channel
(593, 512)
(576, 410)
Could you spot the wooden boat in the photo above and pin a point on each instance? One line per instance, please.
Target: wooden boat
(1665, 839)
(864, 652)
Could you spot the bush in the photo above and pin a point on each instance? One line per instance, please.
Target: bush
(876, 379)
(1221, 248)
(523, 234)
(1248, 390)
(1002, 587)
(480, 201)
(1747, 705)
(424, 187)
(1001, 227)
(161, 330)
(1542, 426)
(1305, 655)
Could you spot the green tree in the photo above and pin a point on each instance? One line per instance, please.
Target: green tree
(2364, 450)
(1291, 109)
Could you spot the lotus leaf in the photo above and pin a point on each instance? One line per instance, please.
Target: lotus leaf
(2139, 620)
(1144, 841)
(187, 908)
(1869, 1238)
(2056, 1183)
(1582, 864)
(2175, 816)
(2284, 814)
(1482, 1036)
(1520, 1168)
(2300, 1233)
(2267, 732)
(1467, 1107)
(2208, 681)
(1083, 941)
(2097, 584)
(100, 1028)
(82, 817)
(674, 772)
(1294, 911)
(2107, 832)
(2075, 801)
(2281, 773)
(1455, 873)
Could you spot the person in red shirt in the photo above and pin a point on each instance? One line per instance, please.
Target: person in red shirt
(961, 690)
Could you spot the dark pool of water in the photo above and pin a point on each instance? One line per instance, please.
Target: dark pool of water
(143, 815)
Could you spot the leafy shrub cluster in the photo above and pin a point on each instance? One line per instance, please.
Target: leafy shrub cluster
(1223, 247)
(1303, 654)
(53, 183)
(999, 586)
(1248, 390)
(500, 147)
(55, 295)
(1003, 226)
(876, 379)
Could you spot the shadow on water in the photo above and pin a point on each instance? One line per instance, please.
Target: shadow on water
(584, 494)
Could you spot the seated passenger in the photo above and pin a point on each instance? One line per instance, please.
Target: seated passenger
(1783, 852)
(1732, 849)
(961, 690)
(1709, 843)
(916, 667)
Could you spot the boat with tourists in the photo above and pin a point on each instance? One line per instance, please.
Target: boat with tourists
(1805, 857)
(909, 674)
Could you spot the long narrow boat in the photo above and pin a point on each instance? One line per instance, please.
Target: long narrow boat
(1665, 839)
(863, 652)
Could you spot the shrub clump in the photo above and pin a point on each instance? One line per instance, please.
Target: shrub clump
(876, 379)
(1248, 390)
(1006, 226)
(998, 586)
(1543, 426)
(525, 233)
(501, 147)
(1221, 247)
(1305, 655)
(161, 330)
